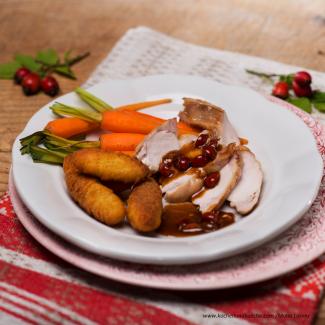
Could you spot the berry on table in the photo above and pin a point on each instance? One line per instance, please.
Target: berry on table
(303, 78)
(50, 86)
(301, 91)
(281, 90)
(20, 74)
(31, 84)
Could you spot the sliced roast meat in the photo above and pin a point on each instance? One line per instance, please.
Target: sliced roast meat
(222, 158)
(228, 134)
(209, 199)
(185, 139)
(200, 113)
(183, 186)
(157, 143)
(245, 195)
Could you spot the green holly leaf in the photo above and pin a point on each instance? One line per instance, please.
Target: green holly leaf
(320, 106)
(28, 62)
(48, 57)
(8, 70)
(303, 103)
(318, 96)
(66, 56)
(287, 78)
(65, 71)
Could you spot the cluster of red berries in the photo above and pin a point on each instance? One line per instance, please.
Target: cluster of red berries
(32, 83)
(300, 84)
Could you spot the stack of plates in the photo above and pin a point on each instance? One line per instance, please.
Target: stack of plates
(267, 243)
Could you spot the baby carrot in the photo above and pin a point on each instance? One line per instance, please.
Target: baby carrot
(120, 141)
(129, 122)
(135, 122)
(142, 105)
(68, 127)
(129, 153)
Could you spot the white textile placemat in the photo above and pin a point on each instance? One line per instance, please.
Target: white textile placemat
(143, 51)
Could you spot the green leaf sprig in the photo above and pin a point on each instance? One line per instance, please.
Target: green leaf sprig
(316, 100)
(45, 62)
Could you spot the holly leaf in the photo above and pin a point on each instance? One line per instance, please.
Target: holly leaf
(318, 96)
(66, 56)
(65, 71)
(302, 102)
(48, 57)
(28, 62)
(8, 70)
(320, 106)
(287, 78)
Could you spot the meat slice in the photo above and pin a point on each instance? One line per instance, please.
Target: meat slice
(214, 198)
(157, 143)
(200, 113)
(245, 195)
(182, 187)
(228, 134)
(222, 158)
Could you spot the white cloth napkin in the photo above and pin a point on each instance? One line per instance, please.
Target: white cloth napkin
(143, 51)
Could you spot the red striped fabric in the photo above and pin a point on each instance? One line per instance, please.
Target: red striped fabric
(38, 288)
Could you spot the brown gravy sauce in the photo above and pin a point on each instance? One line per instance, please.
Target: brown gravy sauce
(185, 219)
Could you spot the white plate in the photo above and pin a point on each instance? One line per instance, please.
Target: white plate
(280, 140)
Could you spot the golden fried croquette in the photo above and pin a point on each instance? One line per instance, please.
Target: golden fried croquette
(145, 206)
(95, 198)
(109, 166)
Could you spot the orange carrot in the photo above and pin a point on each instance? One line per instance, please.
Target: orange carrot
(129, 153)
(135, 122)
(120, 141)
(142, 105)
(184, 128)
(129, 122)
(68, 127)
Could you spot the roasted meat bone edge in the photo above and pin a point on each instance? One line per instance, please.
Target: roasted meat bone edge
(245, 195)
(157, 143)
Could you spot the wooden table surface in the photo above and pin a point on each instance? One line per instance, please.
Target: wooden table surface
(291, 31)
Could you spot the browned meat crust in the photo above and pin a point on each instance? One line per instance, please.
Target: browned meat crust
(199, 113)
(145, 206)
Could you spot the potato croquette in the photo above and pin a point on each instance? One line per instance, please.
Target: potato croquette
(109, 166)
(95, 198)
(145, 206)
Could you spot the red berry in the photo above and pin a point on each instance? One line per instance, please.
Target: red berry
(214, 143)
(31, 84)
(303, 78)
(201, 140)
(281, 90)
(209, 151)
(199, 161)
(212, 180)
(20, 74)
(301, 91)
(209, 216)
(50, 86)
(182, 163)
(165, 170)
